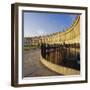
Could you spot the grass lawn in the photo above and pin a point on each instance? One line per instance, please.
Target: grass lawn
(28, 47)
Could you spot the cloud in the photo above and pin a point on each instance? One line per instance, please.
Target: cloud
(41, 32)
(38, 32)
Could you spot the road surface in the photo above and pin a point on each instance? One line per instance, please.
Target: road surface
(32, 66)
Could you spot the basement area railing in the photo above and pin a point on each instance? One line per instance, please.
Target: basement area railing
(67, 55)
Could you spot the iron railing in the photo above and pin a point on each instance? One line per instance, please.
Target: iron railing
(67, 55)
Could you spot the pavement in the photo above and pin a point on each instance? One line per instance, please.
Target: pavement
(32, 67)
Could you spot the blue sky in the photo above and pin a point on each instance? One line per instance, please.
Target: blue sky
(36, 23)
